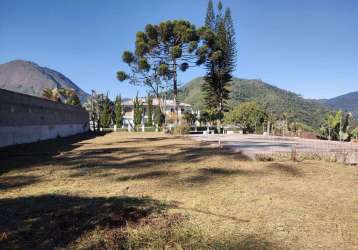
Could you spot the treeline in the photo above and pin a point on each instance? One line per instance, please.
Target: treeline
(251, 117)
(105, 113)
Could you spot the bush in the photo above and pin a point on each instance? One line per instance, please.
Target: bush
(181, 129)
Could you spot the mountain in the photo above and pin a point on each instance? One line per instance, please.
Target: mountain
(29, 78)
(347, 102)
(275, 100)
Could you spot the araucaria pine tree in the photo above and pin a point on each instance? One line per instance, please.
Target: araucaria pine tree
(118, 111)
(106, 113)
(220, 53)
(138, 111)
(150, 110)
(161, 52)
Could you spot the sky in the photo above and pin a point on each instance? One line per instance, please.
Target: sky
(309, 46)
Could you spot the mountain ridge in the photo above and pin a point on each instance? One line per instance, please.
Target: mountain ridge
(347, 102)
(274, 99)
(30, 78)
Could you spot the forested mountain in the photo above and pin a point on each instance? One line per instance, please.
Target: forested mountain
(347, 102)
(276, 101)
(29, 78)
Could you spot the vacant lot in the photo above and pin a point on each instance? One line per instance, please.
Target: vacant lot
(76, 192)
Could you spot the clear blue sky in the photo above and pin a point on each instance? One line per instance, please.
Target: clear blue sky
(307, 46)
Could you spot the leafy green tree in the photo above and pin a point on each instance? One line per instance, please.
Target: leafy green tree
(138, 111)
(150, 110)
(161, 51)
(118, 110)
(106, 113)
(248, 115)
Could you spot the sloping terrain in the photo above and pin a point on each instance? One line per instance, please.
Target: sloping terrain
(29, 78)
(275, 100)
(347, 102)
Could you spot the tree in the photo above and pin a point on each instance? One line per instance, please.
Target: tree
(52, 94)
(118, 111)
(190, 118)
(336, 126)
(210, 16)
(106, 113)
(354, 133)
(248, 115)
(219, 52)
(231, 39)
(138, 111)
(56, 94)
(158, 116)
(161, 52)
(70, 96)
(150, 110)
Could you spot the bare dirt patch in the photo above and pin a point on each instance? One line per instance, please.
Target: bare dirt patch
(67, 192)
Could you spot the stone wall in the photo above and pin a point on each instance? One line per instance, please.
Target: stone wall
(25, 119)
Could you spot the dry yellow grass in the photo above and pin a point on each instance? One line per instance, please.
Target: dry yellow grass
(306, 205)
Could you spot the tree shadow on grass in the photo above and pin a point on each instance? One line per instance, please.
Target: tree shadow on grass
(148, 175)
(141, 159)
(207, 175)
(10, 182)
(25, 155)
(286, 169)
(54, 221)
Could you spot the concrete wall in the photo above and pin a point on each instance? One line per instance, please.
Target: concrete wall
(25, 119)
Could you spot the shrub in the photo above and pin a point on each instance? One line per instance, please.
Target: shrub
(181, 129)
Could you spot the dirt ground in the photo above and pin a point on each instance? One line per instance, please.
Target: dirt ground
(52, 193)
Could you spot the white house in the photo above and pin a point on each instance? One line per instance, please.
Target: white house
(169, 109)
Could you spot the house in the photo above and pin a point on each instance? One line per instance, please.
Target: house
(169, 106)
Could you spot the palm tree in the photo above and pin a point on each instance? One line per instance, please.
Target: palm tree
(52, 94)
(56, 94)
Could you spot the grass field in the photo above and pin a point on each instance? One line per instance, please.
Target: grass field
(122, 190)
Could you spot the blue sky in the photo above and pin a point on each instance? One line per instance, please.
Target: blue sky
(307, 46)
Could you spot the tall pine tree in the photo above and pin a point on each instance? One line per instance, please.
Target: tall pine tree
(106, 113)
(118, 111)
(150, 110)
(210, 16)
(230, 29)
(220, 47)
(138, 110)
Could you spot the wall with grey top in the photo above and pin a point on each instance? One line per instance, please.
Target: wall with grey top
(25, 119)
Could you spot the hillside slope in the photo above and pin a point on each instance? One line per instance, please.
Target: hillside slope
(347, 102)
(29, 78)
(275, 100)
